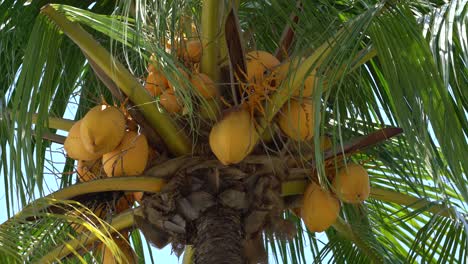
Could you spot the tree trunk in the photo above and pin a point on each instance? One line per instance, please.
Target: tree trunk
(219, 237)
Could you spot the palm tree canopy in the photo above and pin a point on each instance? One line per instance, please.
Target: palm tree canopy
(378, 64)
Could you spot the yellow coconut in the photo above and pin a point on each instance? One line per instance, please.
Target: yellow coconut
(351, 183)
(308, 87)
(234, 137)
(204, 85)
(156, 83)
(102, 129)
(89, 170)
(169, 101)
(319, 208)
(74, 145)
(296, 120)
(258, 63)
(193, 49)
(129, 158)
(152, 64)
(266, 59)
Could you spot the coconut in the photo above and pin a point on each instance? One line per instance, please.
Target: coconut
(193, 49)
(153, 63)
(234, 137)
(351, 183)
(129, 158)
(89, 170)
(296, 120)
(308, 87)
(259, 62)
(204, 85)
(266, 59)
(169, 101)
(319, 208)
(102, 129)
(74, 145)
(156, 83)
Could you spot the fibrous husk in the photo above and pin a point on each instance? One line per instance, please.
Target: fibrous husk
(351, 183)
(204, 85)
(319, 208)
(296, 120)
(74, 145)
(102, 129)
(129, 158)
(234, 137)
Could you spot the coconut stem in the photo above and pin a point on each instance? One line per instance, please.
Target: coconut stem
(53, 122)
(188, 255)
(140, 183)
(177, 141)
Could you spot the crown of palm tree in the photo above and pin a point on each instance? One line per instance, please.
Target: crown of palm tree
(389, 92)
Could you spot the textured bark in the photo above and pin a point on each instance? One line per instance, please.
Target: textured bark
(219, 237)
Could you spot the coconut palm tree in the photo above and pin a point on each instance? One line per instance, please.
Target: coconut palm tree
(377, 83)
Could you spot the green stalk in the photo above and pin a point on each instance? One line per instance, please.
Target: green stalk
(56, 123)
(119, 222)
(345, 230)
(177, 141)
(139, 183)
(209, 38)
(188, 255)
(298, 187)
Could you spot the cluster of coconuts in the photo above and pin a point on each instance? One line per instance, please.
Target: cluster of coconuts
(320, 208)
(101, 141)
(234, 136)
(158, 85)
